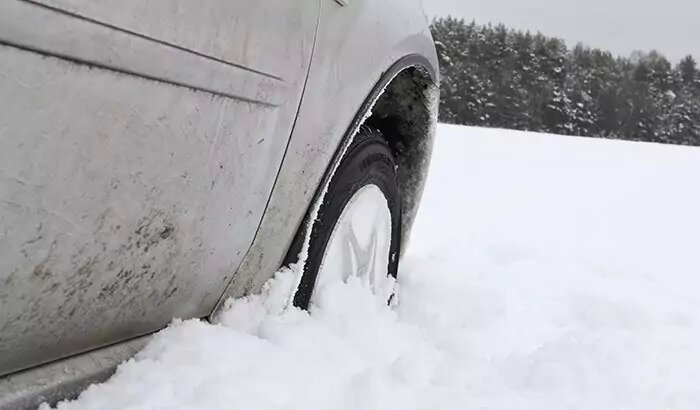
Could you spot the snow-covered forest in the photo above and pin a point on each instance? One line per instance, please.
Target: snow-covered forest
(493, 76)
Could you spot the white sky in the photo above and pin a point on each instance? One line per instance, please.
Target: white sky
(621, 26)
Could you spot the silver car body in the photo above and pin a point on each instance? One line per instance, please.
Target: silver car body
(158, 157)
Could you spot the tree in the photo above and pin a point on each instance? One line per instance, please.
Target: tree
(688, 69)
(496, 77)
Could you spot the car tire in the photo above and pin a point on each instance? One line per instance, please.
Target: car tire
(354, 206)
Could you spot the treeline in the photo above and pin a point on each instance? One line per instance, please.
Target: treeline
(496, 77)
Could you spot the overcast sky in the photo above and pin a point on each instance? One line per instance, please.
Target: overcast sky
(621, 26)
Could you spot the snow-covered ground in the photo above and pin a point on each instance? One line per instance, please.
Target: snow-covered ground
(545, 272)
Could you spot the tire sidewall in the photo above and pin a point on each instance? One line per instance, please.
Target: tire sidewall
(368, 161)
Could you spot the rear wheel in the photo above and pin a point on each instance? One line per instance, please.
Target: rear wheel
(357, 231)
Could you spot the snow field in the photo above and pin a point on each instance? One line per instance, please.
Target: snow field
(545, 272)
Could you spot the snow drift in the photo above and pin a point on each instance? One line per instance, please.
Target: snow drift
(545, 272)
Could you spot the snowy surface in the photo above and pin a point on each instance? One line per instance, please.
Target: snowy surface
(545, 272)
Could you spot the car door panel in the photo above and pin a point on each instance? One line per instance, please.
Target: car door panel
(100, 45)
(138, 148)
(267, 36)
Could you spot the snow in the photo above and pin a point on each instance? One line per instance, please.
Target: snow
(545, 272)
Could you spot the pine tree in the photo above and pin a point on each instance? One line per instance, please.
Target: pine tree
(689, 69)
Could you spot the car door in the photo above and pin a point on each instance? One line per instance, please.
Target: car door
(139, 143)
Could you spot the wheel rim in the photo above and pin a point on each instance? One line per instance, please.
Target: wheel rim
(360, 244)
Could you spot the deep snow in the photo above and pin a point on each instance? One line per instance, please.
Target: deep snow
(545, 272)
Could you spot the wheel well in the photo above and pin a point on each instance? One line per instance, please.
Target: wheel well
(406, 114)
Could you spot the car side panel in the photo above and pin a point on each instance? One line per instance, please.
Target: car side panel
(356, 45)
(260, 35)
(134, 168)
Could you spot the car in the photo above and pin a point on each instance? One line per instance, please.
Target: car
(160, 157)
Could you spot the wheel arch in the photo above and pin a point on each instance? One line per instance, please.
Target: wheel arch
(403, 107)
(405, 111)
